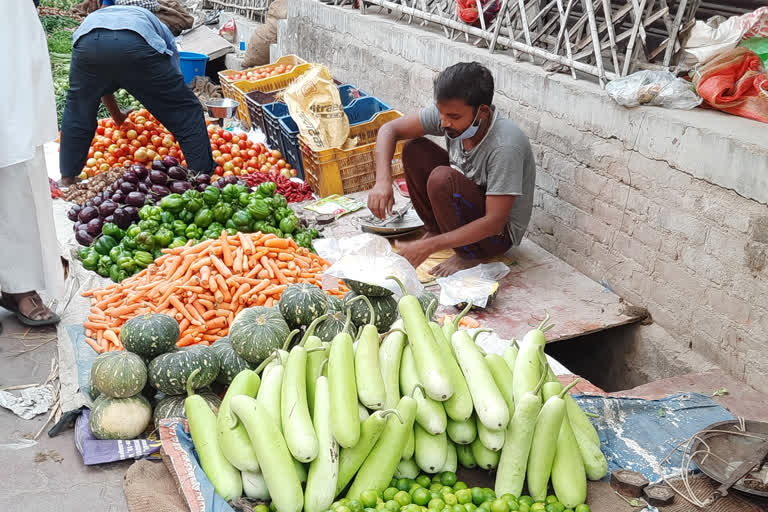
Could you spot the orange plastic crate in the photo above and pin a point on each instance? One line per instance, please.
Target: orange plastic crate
(237, 89)
(339, 171)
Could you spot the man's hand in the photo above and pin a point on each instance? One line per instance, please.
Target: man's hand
(415, 252)
(381, 199)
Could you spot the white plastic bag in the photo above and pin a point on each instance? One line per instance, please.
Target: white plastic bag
(658, 88)
(367, 258)
(710, 38)
(475, 284)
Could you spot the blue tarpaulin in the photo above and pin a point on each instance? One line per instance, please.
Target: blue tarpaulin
(638, 434)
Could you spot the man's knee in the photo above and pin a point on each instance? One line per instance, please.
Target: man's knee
(439, 182)
(413, 151)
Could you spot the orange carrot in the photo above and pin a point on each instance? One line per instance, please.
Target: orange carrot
(226, 251)
(220, 266)
(205, 275)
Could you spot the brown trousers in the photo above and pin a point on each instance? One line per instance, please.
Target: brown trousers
(445, 199)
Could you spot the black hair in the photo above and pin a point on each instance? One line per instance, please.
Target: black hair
(470, 82)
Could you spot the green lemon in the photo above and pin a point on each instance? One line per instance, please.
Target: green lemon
(435, 486)
(404, 484)
(510, 499)
(403, 498)
(539, 506)
(582, 508)
(458, 508)
(525, 499)
(389, 493)
(448, 478)
(550, 499)
(484, 507)
(413, 487)
(392, 505)
(412, 508)
(478, 495)
(450, 499)
(459, 486)
(489, 494)
(523, 507)
(568, 510)
(499, 505)
(424, 481)
(436, 504)
(464, 496)
(343, 508)
(470, 507)
(355, 506)
(434, 495)
(368, 498)
(554, 507)
(421, 496)
(393, 482)
(369, 509)
(261, 508)
(381, 507)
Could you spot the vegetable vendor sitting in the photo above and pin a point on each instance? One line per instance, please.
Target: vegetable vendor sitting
(477, 196)
(127, 46)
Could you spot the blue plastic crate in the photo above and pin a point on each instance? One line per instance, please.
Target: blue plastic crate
(273, 112)
(289, 145)
(349, 93)
(363, 109)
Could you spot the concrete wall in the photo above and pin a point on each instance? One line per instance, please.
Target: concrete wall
(666, 208)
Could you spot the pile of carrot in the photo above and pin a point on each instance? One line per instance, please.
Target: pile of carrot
(466, 321)
(204, 286)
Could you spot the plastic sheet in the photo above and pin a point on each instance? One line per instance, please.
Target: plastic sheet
(476, 284)
(657, 88)
(101, 451)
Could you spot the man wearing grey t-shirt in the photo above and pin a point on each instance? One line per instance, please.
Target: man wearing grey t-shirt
(475, 198)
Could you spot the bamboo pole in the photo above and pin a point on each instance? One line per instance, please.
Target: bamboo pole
(611, 34)
(595, 40)
(631, 46)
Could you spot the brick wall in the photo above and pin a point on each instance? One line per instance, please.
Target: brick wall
(621, 194)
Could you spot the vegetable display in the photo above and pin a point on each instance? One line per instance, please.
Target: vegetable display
(203, 287)
(122, 240)
(294, 192)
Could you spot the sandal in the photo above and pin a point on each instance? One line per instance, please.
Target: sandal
(38, 307)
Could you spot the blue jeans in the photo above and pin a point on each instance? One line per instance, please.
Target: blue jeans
(106, 60)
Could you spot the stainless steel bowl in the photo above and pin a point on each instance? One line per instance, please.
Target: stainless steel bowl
(223, 108)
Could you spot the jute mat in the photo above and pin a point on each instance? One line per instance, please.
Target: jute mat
(150, 487)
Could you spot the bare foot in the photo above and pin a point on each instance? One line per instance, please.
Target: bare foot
(66, 181)
(453, 265)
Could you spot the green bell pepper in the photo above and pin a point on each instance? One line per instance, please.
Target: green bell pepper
(190, 194)
(267, 188)
(143, 259)
(129, 243)
(244, 199)
(260, 225)
(172, 203)
(179, 241)
(313, 232)
(230, 225)
(116, 273)
(216, 228)
(149, 225)
(157, 253)
(241, 189)
(193, 232)
(102, 267)
(104, 244)
(179, 227)
(222, 212)
(126, 263)
(242, 219)
(258, 209)
(112, 230)
(187, 216)
(229, 193)
(289, 224)
(203, 218)
(167, 218)
(91, 261)
(281, 213)
(84, 252)
(145, 241)
(163, 237)
(133, 230)
(115, 253)
(148, 212)
(231, 231)
(279, 201)
(211, 195)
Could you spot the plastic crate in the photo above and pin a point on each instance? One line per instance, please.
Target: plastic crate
(238, 89)
(289, 145)
(364, 109)
(255, 101)
(340, 171)
(272, 115)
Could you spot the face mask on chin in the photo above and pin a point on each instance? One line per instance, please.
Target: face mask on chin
(470, 132)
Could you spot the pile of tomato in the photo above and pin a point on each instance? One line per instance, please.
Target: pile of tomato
(238, 155)
(140, 139)
(261, 72)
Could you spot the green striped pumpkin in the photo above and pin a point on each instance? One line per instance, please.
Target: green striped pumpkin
(150, 335)
(333, 325)
(169, 372)
(425, 299)
(369, 290)
(118, 374)
(256, 332)
(172, 406)
(231, 362)
(301, 303)
(385, 309)
(334, 304)
(119, 418)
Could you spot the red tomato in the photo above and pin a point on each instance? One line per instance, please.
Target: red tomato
(227, 136)
(100, 130)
